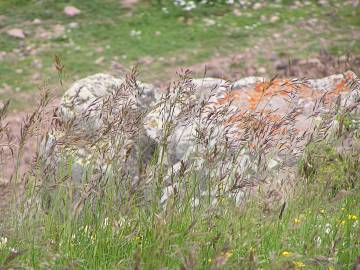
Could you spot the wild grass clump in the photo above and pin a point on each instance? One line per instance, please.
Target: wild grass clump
(93, 200)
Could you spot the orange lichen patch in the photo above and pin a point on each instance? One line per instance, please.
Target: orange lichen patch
(274, 87)
(274, 95)
(253, 95)
(254, 99)
(338, 88)
(250, 97)
(281, 109)
(229, 97)
(262, 86)
(341, 87)
(267, 90)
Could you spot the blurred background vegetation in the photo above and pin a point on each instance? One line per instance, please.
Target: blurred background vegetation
(231, 38)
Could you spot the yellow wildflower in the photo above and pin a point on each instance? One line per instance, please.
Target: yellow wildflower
(342, 222)
(330, 268)
(298, 264)
(342, 209)
(228, 254)
(286, 253)
(297, 221)
(137, 238)
(322, 211)
(209, 260)
(352, 217)
(221, 186)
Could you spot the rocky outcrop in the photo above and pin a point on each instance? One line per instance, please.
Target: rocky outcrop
(88, 96)
(235, 132)
(273, 99)
(98, 124)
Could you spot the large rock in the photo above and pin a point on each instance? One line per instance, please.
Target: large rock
(99, 125)
(256, 127)
(236, 133)
(280, 98)
(84, 101)
(176, 107)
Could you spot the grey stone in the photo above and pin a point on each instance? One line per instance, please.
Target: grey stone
(205, 116)
(81, 114)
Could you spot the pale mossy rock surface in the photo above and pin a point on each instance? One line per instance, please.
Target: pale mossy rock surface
(258, 126)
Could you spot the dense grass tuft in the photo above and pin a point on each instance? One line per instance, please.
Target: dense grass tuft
(105, 223)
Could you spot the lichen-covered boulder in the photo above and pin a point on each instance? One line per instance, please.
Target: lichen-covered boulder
(257, 127)
(238, 133)
(279, 98)
(99, 121)
(84, 101)
(176, 107)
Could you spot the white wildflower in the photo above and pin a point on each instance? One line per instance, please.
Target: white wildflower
(135, 33)
(356, 223)
(189, 6)
(195, 202)
(180, 3)
(3, 242)
(317, 240)
(13, 250)
(106, 222)
(327, 228)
